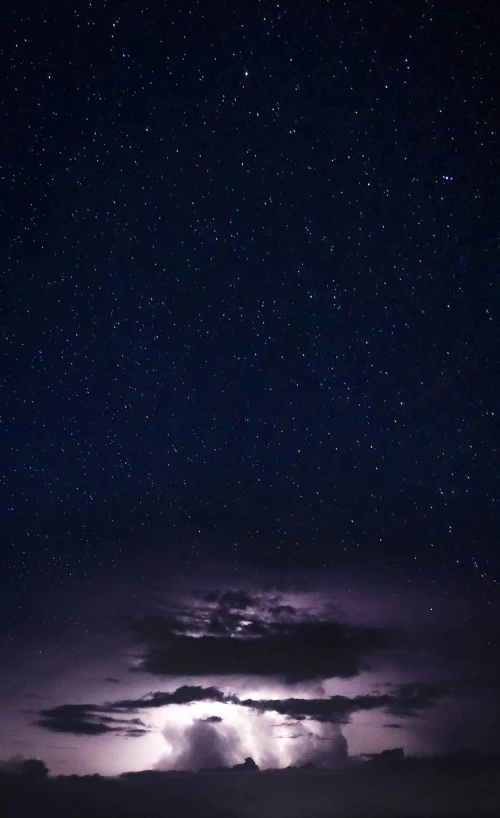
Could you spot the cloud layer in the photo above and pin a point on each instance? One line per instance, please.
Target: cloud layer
(257, 657)
(235, 633)
(118, 716)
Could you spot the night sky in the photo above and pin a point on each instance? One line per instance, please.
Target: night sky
(249, 314)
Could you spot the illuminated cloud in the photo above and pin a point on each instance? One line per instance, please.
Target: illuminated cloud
(200, 745)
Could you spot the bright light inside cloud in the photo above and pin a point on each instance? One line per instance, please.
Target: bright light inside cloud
(244, 733)
(225, 675)
(214, 734)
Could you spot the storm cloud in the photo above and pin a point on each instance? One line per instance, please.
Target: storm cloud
(295, 651)
(200, 745)
(96, 719)
(118, 716)
(405, 700)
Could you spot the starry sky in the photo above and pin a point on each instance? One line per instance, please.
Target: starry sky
(249, 315)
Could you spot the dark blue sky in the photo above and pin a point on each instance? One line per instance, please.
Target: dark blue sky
(249, 290)
(249, 278)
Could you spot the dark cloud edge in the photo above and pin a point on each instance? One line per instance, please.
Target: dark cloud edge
(240, 645)
(120, 716)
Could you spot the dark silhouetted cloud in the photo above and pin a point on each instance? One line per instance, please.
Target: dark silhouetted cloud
(411, 698)
(20, 765)
(114, 717)
(95, 719)
(336, 709)
(87, 720)
(408, 700)
(469, 786)
(297, 651)
(183, 695)
(85, 725)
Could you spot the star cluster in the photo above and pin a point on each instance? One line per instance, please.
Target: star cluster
(250, 286)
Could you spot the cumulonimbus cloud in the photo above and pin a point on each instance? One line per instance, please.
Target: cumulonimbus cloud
(118, 716)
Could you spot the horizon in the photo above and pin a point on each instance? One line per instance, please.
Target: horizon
(405, 788)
